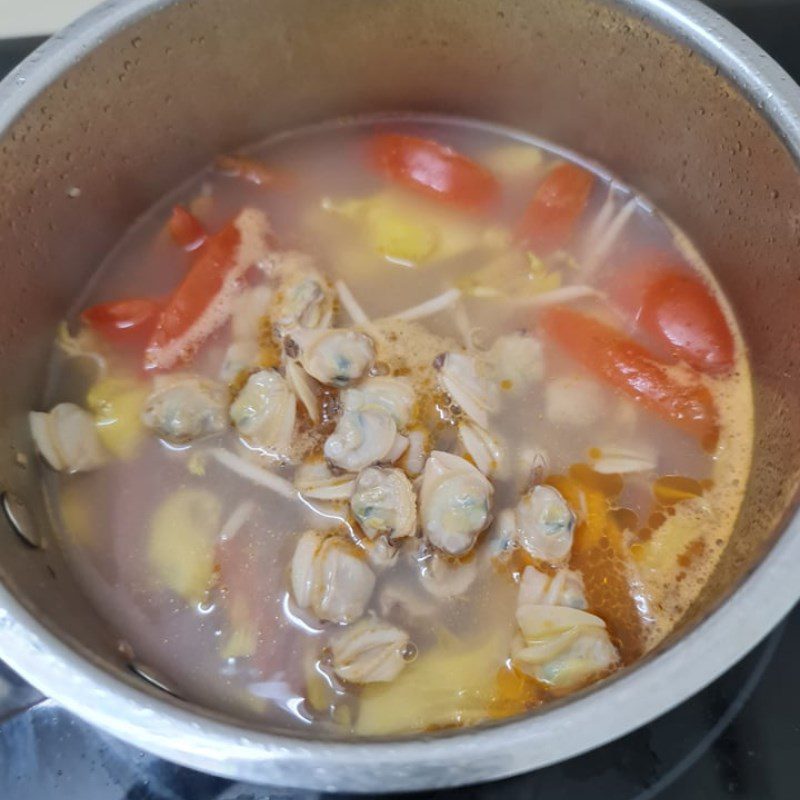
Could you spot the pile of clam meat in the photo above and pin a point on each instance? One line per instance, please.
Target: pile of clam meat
(363, 445)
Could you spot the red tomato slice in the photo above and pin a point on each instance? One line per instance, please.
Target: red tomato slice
(675, 310)
(123, 321)
(556, 207)
(185, 229)
(625, 365)
(434, 170)
(681, 313)
(173, 338)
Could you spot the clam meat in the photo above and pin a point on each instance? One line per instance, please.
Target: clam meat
(371, 651)
(463, 377)
(544, 524)
(335, 357)
(330, 577)
(67, 439)
(361, 439)
(304, 298)
(264, 413)
(455, 503)
(395, 396)
(384, 503)
(183, 408)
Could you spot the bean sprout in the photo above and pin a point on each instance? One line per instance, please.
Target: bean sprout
(430, 307)
(236, 520)
(565, 294)
(609, 236)
(253, 473)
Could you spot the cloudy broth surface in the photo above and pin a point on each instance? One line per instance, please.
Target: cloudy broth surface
(185, 543)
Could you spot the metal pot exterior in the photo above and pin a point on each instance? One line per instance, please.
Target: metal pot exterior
(133, 98)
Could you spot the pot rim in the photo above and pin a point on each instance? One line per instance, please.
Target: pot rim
(162, 726)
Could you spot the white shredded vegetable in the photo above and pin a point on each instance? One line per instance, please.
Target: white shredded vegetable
(600, 249)
(253, 473)
(601, 220)
(354, 309)
(565, 294)
(236, 520)
(430, 307)
(461, 321)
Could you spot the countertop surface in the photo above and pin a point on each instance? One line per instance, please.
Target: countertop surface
(38, 17)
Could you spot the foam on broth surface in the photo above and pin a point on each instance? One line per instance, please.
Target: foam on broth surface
(240, 642)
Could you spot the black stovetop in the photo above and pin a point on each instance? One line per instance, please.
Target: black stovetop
(739, 739)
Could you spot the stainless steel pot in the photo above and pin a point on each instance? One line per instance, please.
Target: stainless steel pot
(109, 114)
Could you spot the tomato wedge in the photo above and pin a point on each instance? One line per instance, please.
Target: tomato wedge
(679, 313)
(186, 230)
(123, 321)
(560, 199)
(173, 338)
(434, 170)
(624, 364)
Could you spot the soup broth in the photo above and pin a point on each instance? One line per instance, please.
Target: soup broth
(395, 425)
